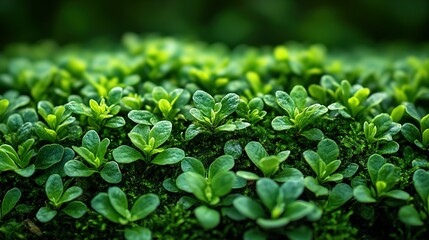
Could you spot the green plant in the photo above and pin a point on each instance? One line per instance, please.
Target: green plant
(269, 165)
(348, 101)
(210, 116)
(256, 86)
(380, 131)
(324, 164)
(168, 104)
(148, 141)
(10, 102)
(298, 115)
(101, 114)
(384, 177)
(19, 126)
(93, 153)
(208, 186)
(10, 199)
(418, 136)
(252, 111)
(57, 196)
(59, 125)
(113, 205)
(18, 161)
(280, 205)
(408, 214)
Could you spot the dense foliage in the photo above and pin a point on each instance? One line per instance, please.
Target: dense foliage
(170, 139)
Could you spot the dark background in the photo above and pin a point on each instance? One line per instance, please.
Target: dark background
(256, 22)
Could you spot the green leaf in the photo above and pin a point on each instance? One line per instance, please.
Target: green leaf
(74, 168)
(268, 192)
(142, 117)
(249, 207)
(115, 122)
(54, 188)
(410, 132)
(299, 233)
(313, 159)
(101, 204)
(70, 194)
(126, 154)
(289, 174)
(363, 194)
(254, 234)
(421, 183)
(170, 185)
(273, 223)
(91, 140)
(48, 155)
(26, 172)
(397, 194)
(190, 164)
(292, 190)
(313, 185)
(45, 214)
(115, 95)
(389, 174)
(6, 163)
(375, 162)
(350, 170)
(221, 164)
(313, 134)
(229, 104)
(222, 183)
(255, 151)
(269, 165)
(87, 155)
(75, 209)
(192, 131)
(137, 233)
(207, 217)
(9, 201)
(169, 156)
(339, 195)
(160, 132)
(328, 150)
(111, 172)
(389, 148)
(285, 102)
(144, 206)
(332, 167)
(118, 200)
(281, 123)
(233, 148)
(397, 113)
(298, 209)
(299, 96)
(248, 175)
(203, 101)
(409, 215)
(192, 183)
(424, 123)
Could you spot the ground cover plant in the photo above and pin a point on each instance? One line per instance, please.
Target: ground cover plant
(173, 139)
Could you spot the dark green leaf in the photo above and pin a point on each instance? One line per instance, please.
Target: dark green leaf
(111, 173)
(207, 217)
(75, 209)
(249, 208)
(126, 154)
(144, 206)
(137, 233)
(169, 156)
(45, 214)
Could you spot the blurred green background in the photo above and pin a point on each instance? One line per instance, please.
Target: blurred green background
(256, 22)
